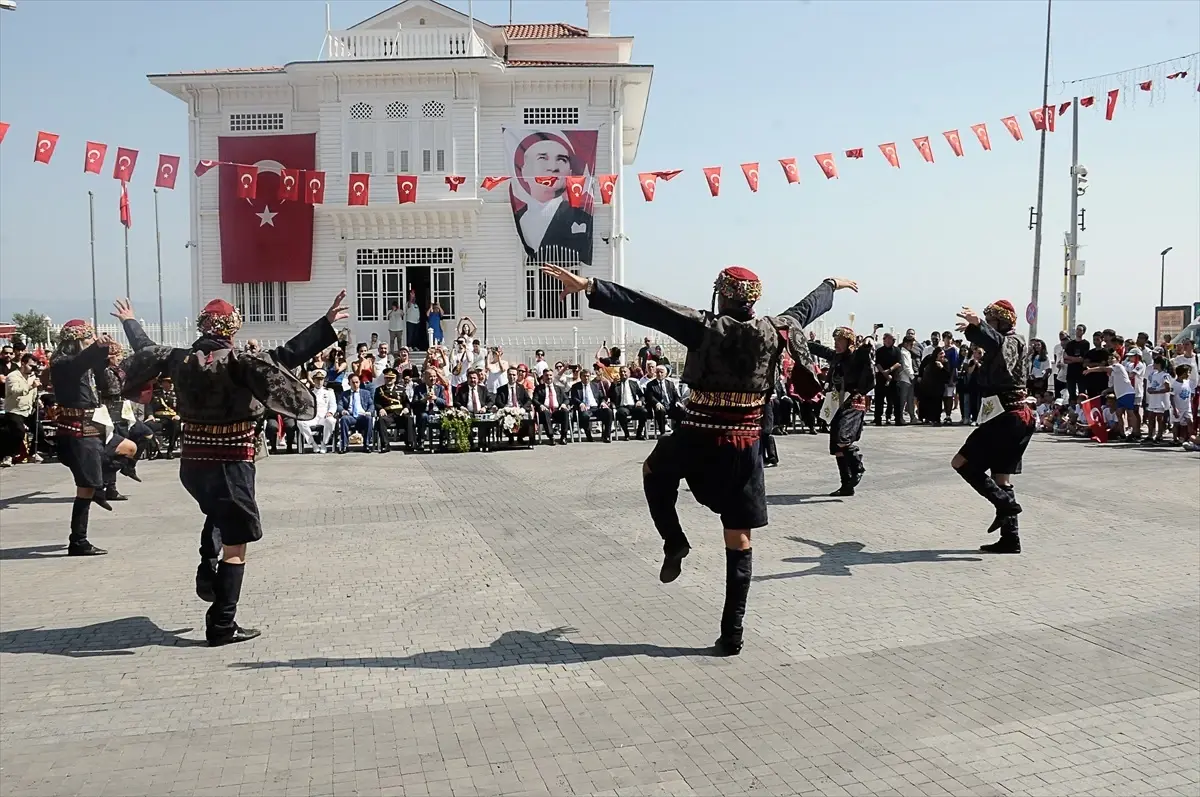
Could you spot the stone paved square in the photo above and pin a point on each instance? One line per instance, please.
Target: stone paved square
(493, 624)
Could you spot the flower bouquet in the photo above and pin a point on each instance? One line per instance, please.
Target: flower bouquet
(509, 419)
(456, 421)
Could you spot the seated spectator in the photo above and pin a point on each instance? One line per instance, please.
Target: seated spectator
(1045, 413)
(164, 414)
(325, 418)
(280, 428)
(357, 412)
(588, 398)
(391, 407)
(429, 400)
(472, 395)
(514, 394)
(550, 406)
(625, 395)
(662, 398)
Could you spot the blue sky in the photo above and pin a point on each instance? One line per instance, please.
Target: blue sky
(734, 82)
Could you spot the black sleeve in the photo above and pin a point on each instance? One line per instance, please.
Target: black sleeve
(821, 350)
(811, 307)
(296, 352)
(675, 320)
(138, 339)
(983, 336)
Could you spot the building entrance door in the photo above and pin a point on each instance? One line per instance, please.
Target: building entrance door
(383, 277)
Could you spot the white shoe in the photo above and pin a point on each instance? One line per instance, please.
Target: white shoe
(6, 462)
(36, 458)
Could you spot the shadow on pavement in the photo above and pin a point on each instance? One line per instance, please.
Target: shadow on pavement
(802, 498)
(110, 638)
(32, 498)
(34, 552)
(837, 558)
(512, 649)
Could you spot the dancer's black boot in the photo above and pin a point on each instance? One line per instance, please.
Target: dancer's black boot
(206, 576)
(220, 628)
(210, 557)
(661, 494)
(78, 544)
(856, 466)
(128, 465)
(847, 477)
(739, 567)
(770, 451)
(1010, 538)
(1003, 498)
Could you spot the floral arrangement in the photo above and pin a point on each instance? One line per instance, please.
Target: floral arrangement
(457, 422)
(509, 419)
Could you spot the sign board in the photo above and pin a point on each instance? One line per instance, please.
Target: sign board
(1170, 321)
(1031, 314)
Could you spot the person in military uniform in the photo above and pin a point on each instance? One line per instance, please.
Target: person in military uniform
(852, 375)
(1006, 420)
(730, 367)
(220, 392)
(85, 437)
(391, 404)
(163, 410)
(109, 380)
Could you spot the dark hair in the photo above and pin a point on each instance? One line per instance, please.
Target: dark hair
(1160, 361)
(1182, 370)
(26, 357)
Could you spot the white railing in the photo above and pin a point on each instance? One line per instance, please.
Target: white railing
(351, 45)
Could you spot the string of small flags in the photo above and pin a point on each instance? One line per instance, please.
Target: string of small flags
(309, 185)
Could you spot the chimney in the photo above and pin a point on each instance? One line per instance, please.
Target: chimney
(597, 17)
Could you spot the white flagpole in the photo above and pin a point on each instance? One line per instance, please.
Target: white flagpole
(158, 248)
(92, 236)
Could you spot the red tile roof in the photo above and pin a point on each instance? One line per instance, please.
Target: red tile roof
(550, 30)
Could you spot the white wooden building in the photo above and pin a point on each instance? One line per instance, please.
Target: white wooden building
(422, 89)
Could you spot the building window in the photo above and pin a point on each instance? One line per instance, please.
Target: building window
(381, 278)
(261, 302)
(255, 122)
(542, 292)
(402, 141)
(551, 117)
(443, 289)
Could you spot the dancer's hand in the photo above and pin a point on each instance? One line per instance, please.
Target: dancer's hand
(572, 283)
(124, 310)
(839, 283)
(337, 310)
(970, 316)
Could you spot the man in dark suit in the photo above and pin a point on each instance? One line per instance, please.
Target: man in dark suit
(429, 399)
(588, 399)
(550, 404)
(662, 398)
(472, 395)
(625, 395)
(514, 394)
(357, 411)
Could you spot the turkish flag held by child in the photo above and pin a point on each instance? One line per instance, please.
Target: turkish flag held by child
(1093, 413)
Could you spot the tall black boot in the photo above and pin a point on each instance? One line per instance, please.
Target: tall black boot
(739, 566)
(856, 466)
(1010, 538)
(847, 477)
(770, 451)
(210, 557)
(220, 628)
(1003, 499)
(128, 465)
(111, 493)
(78, 544)
(661, 495)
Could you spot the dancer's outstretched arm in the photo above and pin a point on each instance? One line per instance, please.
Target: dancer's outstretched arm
(315, 338)
(819, 301)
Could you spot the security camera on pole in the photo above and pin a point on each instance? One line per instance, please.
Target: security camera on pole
(1079, 185)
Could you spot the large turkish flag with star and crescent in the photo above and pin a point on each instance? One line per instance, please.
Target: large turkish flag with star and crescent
(265, 239)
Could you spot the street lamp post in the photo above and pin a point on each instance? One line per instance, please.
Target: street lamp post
(1162, 276)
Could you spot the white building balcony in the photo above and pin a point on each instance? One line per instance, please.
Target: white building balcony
(368, 45)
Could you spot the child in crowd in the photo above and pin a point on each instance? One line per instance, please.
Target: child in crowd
(1181, 399)
(1113, 418)
(1158, 400)
(1045, 413)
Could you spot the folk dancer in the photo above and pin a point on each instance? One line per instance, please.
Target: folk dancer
(731, 361)
(220, 391)
(108, 383)
(89, 446)
(851, 374)
(1006, 421)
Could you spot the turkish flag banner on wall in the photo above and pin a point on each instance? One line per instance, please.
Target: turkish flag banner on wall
(712, 175)
(126, 160)
(358, 188)
(314, 187)
(608, 183)
(575, 190)
(168, 171)
(289, 185)
(406, 188)
(43, 150)
(790, 170)
(93, 157)
(264, 239)
(247, 181)
(751, 172)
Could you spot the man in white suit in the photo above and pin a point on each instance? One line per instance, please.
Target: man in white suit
(326, 416)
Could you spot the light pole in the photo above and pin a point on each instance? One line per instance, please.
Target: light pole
(483, 309)
(1162, 276)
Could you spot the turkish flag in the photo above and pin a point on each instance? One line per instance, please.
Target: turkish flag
(491, 182)
(981, 133)
(1093, 413)
(43, 150)
(955, 142)
(647, 180)
(247, 181)
(889, 152)
(1038, 115)
(93, 157)
(790, 170)
(751, 172)
(406, 189)
(203, 166)
(289, 185)
(126, 160)
(168, 170)
(123, 207)
(1064, 107)
(1112, 104)
(454, 181)
(3, 130)
(358, 188)
(575, 191)
(1010, 122)
(825, 160)
(314, 187)
(924, 148)
(856, 154)
(1087, 102)
(1146, 86)
(261, 240)
(1171, 76)
(608, 183)
(712, 175)
(547, 180)
(1050, 118)
(668, 174)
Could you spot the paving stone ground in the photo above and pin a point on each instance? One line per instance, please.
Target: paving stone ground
(493, 624)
